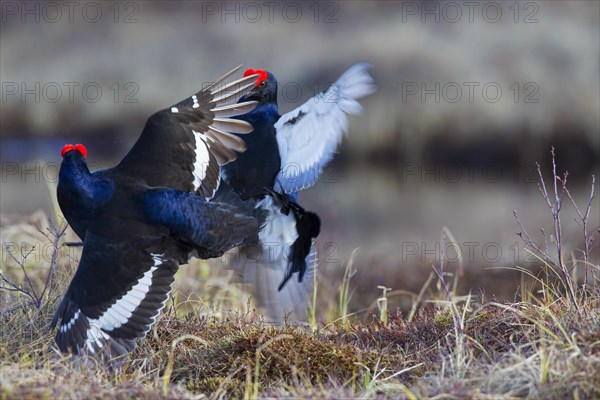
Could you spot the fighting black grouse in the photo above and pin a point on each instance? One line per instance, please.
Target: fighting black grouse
(147, 215)
(287, 153)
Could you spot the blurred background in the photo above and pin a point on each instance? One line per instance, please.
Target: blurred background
(470, 96)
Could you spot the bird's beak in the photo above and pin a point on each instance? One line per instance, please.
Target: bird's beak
(251, 93)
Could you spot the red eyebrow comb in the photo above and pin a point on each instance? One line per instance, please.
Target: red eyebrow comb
(81, 148)
(263, 75)
(68, 147)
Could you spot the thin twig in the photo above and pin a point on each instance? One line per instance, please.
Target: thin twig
(54, 236)
(542, 187)
(545, 240)
(21, 264)
(16, 288)
(529, 242)
(10, 289)
(57, 233)
(584, 226)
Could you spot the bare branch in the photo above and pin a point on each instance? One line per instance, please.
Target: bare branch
(587, 239)
(57, 233)
(54, 235)
(13, 287)
(529, 242)
(555, 208)
(589, 206)
(545, 240)
(542, 187)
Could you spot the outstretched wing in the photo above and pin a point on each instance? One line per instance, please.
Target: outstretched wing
(275, 288)
(309, 135)
(290, 304)
(116, 294)
(128, 265)
(183, 146)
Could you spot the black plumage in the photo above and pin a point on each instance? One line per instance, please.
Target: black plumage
(146, 216)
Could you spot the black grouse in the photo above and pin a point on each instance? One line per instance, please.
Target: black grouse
(287, 153)
(144, 217)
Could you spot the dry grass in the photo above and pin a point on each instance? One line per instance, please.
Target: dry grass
(210, 342)
(524, 349)
(529, 349)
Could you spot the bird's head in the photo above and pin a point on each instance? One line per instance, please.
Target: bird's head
(73, 165)
(265, 90)
(71, 152)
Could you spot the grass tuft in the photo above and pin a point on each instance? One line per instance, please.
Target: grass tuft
(445, 345)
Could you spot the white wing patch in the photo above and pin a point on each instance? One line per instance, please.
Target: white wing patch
(266, 272)
(68, 325)
(202, 159)
(157, 262)
(279, 233)
(120, 312)
(95, 336)
(207, 115)
(309, 135)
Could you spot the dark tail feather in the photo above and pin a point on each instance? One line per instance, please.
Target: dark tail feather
(268, 267)
(308, 226)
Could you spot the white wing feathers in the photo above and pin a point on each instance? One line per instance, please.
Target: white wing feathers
(265, 272)
(308, 136)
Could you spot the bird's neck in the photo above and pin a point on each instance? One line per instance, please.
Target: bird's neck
(75, 175)
(80, 193)
(264, 113)
(257, 167)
